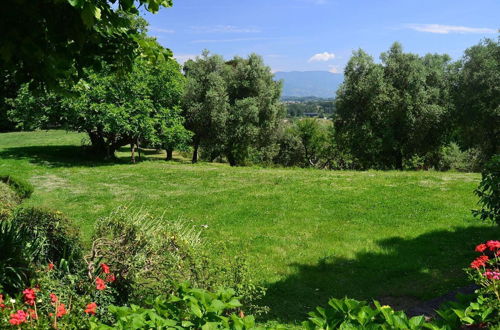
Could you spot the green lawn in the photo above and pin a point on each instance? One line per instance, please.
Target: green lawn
(309, 234)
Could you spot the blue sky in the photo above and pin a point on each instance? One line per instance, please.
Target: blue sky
(303, 35)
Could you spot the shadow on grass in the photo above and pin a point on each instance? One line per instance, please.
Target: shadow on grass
(56, 156)
(405, 273)
(69, 156)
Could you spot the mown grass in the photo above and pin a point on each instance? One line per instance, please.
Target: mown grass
(309, 234)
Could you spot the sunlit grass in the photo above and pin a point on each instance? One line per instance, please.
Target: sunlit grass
(309, 234)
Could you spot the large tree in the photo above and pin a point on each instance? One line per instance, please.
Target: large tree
(114, 110)
(49, 40)
(390, 112)
(232, 107)
(477, 98)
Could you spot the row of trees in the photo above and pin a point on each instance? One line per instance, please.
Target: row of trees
(409, 106)
(406, 111)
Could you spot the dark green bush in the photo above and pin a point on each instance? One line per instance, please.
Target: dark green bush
(17, 255)
(489, 192)
(186, 308)
(59, 238)
(23, 188)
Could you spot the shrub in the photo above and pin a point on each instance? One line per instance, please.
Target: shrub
(151, 255)
(352, 314)
(8, 200)
(57, 236)
(451, 157)
(16, 257)
(23, 188)
(489, 192)
(186, 308)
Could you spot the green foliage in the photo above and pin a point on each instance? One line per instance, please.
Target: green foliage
(186, 308)
(452, 158)
(57, 236)
(469, 311)
(352, 314)
(21, 187)
(90, 32)
(232, 107)
(17, 257)
(489, 192)
(477, 98)
(390, 112)
(152, 255)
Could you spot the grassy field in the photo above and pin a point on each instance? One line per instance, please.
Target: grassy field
(398, 236)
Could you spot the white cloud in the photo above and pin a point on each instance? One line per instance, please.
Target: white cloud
(160, 30)
(326, 56)
(445, 29)
(335, 69)
(225, 29)
(181, 58)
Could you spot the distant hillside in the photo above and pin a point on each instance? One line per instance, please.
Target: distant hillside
(310, 83)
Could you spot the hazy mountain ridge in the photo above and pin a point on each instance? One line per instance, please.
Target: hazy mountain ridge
(322, 84)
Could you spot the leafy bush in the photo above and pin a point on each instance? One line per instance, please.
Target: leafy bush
(55, 233)
(451, 157)
(489, 192)
(352, 314)
(23, 188)
(16, 257)
(8, 200)
(151, 255)
(186, 308)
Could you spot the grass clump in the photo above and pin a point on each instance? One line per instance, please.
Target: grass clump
(8, 201)
(23, 188)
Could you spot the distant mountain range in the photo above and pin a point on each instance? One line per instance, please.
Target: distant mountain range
(310, 83)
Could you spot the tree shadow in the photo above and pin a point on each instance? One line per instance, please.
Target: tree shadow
(71, 156)
(57, 156)
(407, 272)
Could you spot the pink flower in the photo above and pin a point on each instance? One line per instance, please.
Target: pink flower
(493, 245)
(492, 275)
(29, 296)
(18, 317)
(53, 298)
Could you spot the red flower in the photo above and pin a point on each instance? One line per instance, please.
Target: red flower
(480, 261)
(481, 247)
(18, 318)
(100, 285)
(51, 266)
(2, 305)
(32, 314)
(493, 245)
(29, 296)
(61, 310)
(91, 308)
(105, 268)
(111, 278)
(53, 298)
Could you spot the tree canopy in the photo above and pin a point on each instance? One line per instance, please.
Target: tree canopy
(49, 40)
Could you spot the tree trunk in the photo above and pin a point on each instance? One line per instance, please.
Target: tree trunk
(132, 150)
(195, 151)
(99, 146)
(231, 159)
(169, 154)
(139, 150)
